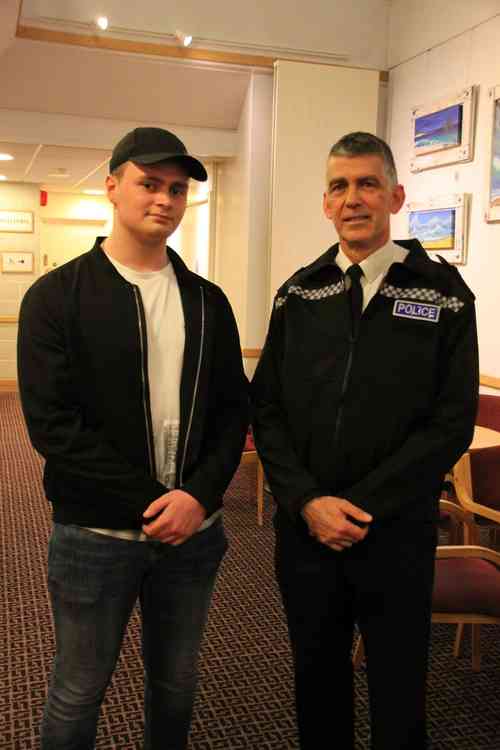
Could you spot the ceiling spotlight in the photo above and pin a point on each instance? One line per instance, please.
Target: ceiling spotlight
(6, 157)
(184, 39)
(102, 22)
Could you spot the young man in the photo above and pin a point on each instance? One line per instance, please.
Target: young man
(365, 395)
(133, 391)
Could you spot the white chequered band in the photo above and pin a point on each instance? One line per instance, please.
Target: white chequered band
(311, 294)
(423, 295)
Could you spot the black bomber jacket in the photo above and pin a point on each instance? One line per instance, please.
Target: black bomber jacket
(378, 419)
(83, 380)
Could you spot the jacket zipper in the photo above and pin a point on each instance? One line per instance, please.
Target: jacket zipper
(143, 377)
(343, 392)
(195, 391)
(352, 341)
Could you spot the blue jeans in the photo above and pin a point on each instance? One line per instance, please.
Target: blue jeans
(94, 582)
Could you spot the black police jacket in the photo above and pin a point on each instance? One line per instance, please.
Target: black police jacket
(377, 419)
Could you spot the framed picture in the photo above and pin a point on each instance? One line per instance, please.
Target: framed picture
(492, 211)
(443, 133)
(16, 221)
(441, 225)
(16, 262)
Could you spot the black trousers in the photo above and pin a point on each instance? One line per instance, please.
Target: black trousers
(383, 583)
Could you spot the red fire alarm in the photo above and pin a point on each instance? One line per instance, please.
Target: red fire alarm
(43, 197)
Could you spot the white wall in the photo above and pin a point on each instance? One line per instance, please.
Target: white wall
(243, 219)
(18, 197)
(471, 58)
(314, 106)
(64, 228)
(193, 238)
(69, 225)
(259, 220)
(231, 255)
(419, 25)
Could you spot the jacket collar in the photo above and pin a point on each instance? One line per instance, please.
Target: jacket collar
(181, 270)
(417, 262)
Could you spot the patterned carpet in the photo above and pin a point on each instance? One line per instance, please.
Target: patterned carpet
(245, 696)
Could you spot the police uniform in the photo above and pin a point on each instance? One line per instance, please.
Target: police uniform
(376, 418)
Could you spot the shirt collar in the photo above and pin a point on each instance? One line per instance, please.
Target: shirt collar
(378, 263)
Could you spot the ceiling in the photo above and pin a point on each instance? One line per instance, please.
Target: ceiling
(69, 92)
(115, 91)
(55, 168)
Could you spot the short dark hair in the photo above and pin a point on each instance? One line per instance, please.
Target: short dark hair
(360, 144)
(118, 171)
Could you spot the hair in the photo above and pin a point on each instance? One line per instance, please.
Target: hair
(360, 144)
(118, 172)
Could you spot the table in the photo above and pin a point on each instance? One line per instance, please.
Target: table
(484, 437)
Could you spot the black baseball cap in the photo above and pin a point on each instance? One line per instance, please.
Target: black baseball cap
(152, 145)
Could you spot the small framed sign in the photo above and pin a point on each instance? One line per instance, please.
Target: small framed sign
(16, 221)
(17, 262)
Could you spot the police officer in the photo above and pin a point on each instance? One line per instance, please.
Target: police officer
(365, 395)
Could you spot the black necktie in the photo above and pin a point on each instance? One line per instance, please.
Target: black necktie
(355, 294)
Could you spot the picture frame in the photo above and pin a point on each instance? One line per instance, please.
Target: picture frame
(441, 226)
(17, 262)
(16, 221)
(443, 132)
(492, 191)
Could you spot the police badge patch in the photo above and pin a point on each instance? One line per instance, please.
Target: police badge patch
(416, 310)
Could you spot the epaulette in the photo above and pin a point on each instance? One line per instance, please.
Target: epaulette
(459, 285)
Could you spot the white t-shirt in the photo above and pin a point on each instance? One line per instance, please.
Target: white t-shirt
(165, 328)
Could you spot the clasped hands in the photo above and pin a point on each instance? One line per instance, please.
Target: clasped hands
(180, 516)
(328, 520)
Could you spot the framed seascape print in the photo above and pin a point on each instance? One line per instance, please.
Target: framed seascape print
(492, 212)
(441, 226)
(443, 133)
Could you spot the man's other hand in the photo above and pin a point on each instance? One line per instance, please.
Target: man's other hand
(328, 520)
(180, 516)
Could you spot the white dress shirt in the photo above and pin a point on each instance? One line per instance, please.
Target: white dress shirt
(375, 267)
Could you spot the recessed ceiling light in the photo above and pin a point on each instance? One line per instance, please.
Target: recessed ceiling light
(59, 172)
(6, 157)
(94, 192)
(2, 177)
(102, 22)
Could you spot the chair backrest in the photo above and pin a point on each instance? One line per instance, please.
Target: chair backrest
(464, 490)
(488, 413)
(485, 475)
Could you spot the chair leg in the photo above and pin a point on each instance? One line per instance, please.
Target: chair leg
(260, 493)
(476, 648)
(358, 653)
(458, 640)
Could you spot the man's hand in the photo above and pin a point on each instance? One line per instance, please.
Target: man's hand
(180, 516)
(328, 521)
